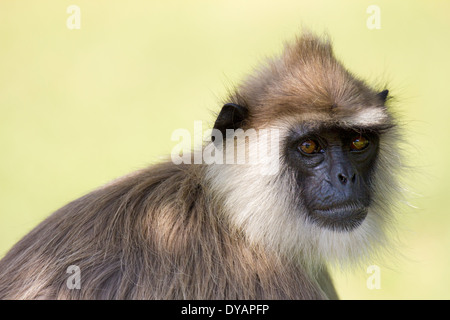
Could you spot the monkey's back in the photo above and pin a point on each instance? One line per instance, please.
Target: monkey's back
(156, 234)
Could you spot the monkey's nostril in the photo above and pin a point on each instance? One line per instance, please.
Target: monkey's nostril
(342, 178)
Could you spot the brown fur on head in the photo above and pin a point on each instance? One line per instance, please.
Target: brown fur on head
(308, 83)
(217, 231)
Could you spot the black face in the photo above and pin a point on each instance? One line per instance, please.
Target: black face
(333, 170)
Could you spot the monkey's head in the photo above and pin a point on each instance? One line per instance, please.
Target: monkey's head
(331, 194)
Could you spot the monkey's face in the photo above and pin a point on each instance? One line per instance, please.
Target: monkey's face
(331, 194)
(333, 168)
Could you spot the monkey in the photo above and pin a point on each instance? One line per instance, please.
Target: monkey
(229, 231)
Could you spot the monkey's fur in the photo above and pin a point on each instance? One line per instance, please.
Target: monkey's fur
(216, 231)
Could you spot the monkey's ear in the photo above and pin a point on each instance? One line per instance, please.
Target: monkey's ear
(383, 95)
(230, 117)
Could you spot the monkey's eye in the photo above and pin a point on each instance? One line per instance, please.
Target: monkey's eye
(359, 143)
(309, 146)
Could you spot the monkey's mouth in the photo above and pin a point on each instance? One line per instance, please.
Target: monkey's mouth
(343, 218)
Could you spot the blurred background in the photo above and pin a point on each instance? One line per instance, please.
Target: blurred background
(80, 107)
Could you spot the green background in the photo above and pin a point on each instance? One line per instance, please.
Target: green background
(79, 108)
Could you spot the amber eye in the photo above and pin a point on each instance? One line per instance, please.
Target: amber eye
(309, 146)
(359, 143)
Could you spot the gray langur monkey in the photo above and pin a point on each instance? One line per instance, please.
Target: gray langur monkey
(226, 231)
